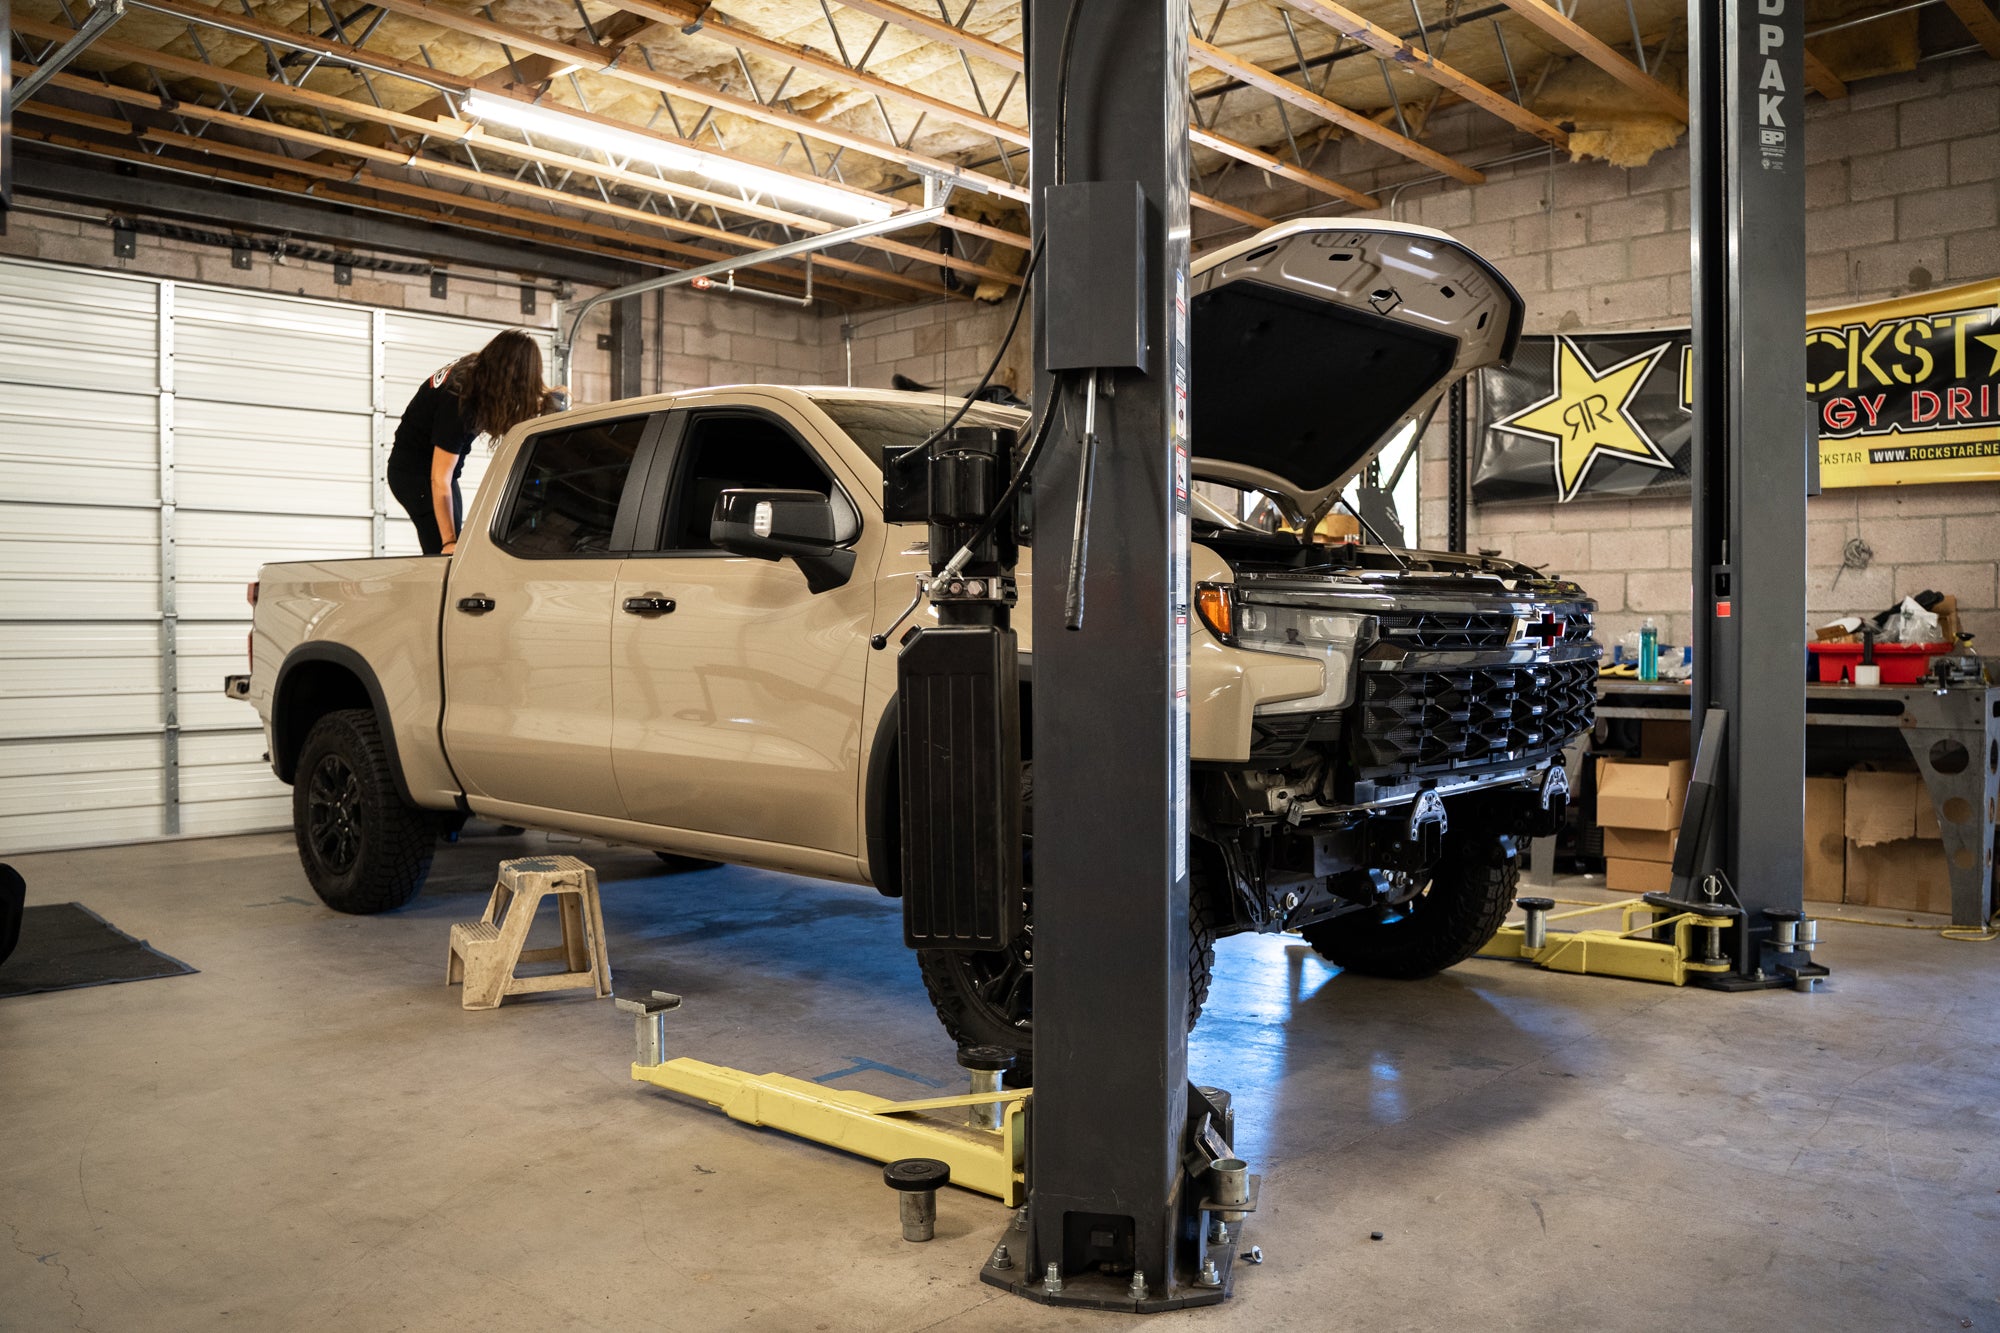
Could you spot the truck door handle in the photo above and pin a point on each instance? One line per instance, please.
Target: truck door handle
(648, 606)
(477, 606)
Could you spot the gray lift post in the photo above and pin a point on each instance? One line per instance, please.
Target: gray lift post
(1747, 141)
(1110, 1121)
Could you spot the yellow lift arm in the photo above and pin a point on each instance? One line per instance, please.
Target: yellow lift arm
(1626, 952)
(991, 1161)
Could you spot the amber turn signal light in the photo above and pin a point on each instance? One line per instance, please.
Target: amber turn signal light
(1215, 603)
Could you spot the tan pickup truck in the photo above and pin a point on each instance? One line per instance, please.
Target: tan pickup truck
(1372, 729)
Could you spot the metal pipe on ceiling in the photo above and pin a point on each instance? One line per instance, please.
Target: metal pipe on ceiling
(1872, 18)
(565, 343)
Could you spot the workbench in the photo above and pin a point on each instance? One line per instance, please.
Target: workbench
(1953, 735)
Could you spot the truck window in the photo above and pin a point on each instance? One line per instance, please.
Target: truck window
(571, 481)
(728, 452)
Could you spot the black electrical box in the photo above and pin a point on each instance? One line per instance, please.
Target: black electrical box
(958, 692)
(1095, 238)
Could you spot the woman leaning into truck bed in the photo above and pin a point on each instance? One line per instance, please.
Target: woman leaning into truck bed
(489, 392)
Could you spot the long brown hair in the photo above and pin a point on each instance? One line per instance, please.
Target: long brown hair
(500, 386)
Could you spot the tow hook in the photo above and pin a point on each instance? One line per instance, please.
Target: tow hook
(1551, 807)
(1555, 789)
(1426, 826)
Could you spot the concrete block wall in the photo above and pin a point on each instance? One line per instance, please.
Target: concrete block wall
(693, 339)
(944, 343)
(1903, 195)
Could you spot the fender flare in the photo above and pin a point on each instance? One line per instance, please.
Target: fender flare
(882, 819)
(285, 746)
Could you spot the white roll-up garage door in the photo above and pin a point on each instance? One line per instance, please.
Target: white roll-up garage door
(159, 441)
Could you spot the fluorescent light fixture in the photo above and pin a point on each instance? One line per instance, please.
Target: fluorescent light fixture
(675, 157)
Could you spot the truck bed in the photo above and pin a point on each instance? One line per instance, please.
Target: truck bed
(380, 616)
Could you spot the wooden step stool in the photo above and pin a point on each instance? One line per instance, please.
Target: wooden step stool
(484, 953)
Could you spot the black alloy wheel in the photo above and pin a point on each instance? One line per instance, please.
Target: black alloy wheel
(333, 801)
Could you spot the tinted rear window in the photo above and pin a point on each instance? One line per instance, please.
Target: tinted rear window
(571, 481)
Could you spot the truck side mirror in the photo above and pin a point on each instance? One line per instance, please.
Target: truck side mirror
(777, 525)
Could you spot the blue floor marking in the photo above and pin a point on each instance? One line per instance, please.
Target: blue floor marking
(862, 1066)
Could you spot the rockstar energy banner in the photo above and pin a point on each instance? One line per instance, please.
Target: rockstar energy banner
(1906, 391)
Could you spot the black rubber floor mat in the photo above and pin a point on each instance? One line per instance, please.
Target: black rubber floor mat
(64, 945)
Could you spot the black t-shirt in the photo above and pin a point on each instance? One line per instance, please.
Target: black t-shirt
(431, 422)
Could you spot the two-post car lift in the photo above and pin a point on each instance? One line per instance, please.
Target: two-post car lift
(1133, 1191)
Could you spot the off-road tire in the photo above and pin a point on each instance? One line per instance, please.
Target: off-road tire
(1469, 896)
(363, 849)
(676, 864)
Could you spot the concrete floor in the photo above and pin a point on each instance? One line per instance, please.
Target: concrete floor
(311, 1134)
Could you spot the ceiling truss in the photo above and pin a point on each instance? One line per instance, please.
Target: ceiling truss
(416, 152)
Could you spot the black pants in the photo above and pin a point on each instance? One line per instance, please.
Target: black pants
(414, 494)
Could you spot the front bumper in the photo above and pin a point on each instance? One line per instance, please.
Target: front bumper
(1452, 694)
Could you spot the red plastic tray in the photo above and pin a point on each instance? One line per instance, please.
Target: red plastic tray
(1901, 663)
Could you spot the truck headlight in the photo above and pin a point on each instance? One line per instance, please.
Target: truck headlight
(1333, 638)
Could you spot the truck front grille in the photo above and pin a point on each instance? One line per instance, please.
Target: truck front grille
(1471, 630)
(1413, 630)
(1473, 715)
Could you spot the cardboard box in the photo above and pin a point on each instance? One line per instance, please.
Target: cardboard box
(1926, 812)
(1826, 839)
(1909, 875)
(1665, 740)
(1641, 793)
(1643, 844)
(1624, 876)
(1881, 806)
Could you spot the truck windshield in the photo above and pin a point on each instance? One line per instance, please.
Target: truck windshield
(878, 426)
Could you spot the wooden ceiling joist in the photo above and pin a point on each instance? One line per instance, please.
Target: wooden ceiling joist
(1580, 40)
(1230, 211)
(938, 30)
(1277, 166)
(1215, 58)
(1355, 28)
(1980, 22)
(1823, 80)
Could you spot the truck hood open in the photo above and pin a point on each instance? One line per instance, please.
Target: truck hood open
(1317, 342)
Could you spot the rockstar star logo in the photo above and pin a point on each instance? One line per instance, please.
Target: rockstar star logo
(1588, 414)
(1991, 340)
